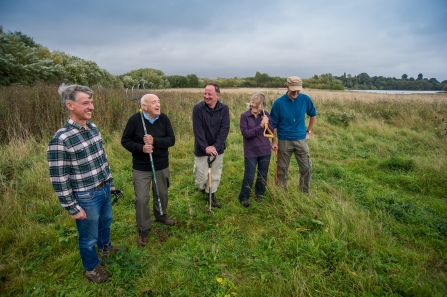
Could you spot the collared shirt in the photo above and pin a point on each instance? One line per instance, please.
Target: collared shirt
(149, 119)
(77, 162)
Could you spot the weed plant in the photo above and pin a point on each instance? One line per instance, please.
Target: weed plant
(375, 223)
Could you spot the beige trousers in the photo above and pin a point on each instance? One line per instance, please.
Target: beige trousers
(201, 172)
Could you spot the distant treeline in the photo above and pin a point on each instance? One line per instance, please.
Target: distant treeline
(25, 62)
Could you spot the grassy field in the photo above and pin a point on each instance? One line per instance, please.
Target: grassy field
(375, 223)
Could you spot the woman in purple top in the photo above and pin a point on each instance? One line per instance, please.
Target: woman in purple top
(257, 149)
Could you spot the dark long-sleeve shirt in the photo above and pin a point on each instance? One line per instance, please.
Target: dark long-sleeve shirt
(163, 134)
(211, 127)
(255, 144)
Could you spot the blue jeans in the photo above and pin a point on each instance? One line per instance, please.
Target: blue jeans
(249, 175)
(95, 229)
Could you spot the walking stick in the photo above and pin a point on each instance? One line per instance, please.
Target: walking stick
(210, 183)
(154, 176)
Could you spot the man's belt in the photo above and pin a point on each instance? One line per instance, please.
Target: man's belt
(101, 185)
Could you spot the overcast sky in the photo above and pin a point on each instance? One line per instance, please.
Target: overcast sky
(236, 38)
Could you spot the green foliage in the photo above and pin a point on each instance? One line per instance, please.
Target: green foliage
(364, 82)
(340, 118)
(24, 62)
(324, 81)
(152, 78)
(374, 224)
(396, 163)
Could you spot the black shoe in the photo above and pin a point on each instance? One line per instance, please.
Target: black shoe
(245, 203)
(214, 202)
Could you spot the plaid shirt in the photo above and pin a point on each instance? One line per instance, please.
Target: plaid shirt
(77, 162)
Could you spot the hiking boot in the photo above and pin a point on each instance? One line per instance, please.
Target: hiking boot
(214, 202)
(169, 222)
(245, 203)
(97, 275)
(142, 240)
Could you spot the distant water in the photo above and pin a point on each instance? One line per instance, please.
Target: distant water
(395, 92)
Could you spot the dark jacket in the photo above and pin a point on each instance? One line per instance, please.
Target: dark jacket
(163, 134)
(211, 127)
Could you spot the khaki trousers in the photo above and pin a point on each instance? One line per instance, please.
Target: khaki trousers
(142, 181)
(301, 151)
(201, 172)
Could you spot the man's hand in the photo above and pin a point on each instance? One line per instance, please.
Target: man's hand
(148, 139)
(80, 215)
(148, 148)
(211, 150)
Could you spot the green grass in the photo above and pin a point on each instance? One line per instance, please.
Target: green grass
(375, 223)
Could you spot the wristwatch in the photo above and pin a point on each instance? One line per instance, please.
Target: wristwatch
(308, 131)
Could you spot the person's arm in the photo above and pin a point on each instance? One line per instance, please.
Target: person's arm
(310, 127)
(274, 144)
(198, 128)
(59, 167)
(224, 129)
(274, 115)
(246, 131)
(168, 139)
(128, 139)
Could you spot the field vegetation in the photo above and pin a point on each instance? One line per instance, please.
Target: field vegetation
(375, 223)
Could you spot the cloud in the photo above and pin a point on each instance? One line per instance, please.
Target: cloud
(237, 38)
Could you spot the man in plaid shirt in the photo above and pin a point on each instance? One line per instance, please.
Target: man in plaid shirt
(81, 177)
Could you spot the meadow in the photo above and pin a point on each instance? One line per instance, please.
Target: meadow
(375, 223)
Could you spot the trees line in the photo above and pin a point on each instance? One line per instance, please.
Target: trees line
(25, 62)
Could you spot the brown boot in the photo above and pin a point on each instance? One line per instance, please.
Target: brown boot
(142, 240)
(97, 275)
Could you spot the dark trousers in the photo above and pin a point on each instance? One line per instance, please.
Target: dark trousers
(262, 164)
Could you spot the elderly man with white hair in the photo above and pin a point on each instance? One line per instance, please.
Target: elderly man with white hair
(148, 135)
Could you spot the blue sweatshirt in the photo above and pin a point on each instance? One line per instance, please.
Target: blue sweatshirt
(288, 116)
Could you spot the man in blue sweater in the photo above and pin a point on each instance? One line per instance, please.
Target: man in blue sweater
(288, 118)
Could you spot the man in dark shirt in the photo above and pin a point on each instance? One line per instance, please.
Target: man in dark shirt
(211, 124)
(159, 137)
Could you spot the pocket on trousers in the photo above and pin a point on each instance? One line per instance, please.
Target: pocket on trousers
(84, 196)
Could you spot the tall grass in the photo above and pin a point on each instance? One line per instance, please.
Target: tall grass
(375, 223)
